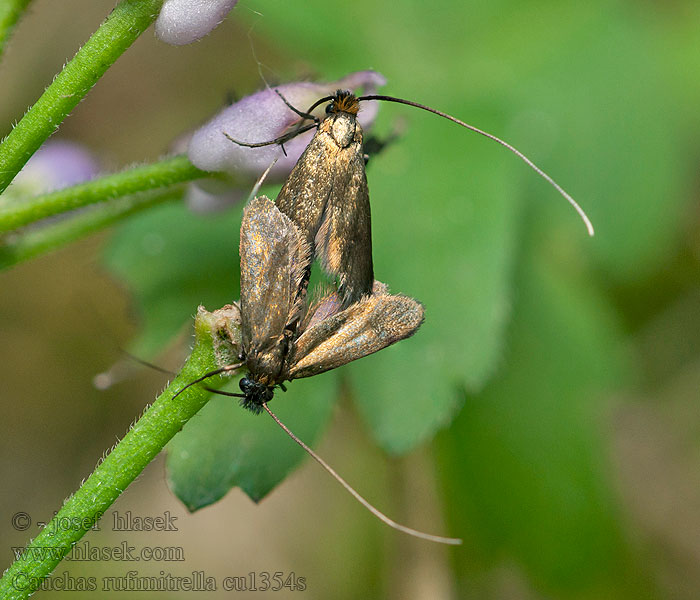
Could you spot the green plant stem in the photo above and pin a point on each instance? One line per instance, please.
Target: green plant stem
(30, 244)
(138, 179)
(159, 423)
(125, 23)
(10, 12)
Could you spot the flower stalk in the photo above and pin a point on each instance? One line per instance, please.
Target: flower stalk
(164, 173)
(10, 13)
(22, 246)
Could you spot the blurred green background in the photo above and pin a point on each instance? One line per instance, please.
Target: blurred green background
(561, 373)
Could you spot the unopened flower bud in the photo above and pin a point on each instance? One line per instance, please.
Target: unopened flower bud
(184, 21)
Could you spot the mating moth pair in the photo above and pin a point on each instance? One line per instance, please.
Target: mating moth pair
(326, 198)
(322, 211)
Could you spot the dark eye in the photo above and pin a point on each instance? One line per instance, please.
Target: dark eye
(329, 108)
(245, 384)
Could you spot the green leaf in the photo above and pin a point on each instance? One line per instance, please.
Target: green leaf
(172, 261)
(449, 243)
(525, 465)
(227, 446)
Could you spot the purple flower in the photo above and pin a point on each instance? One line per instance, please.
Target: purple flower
(57, 164)
(263, 116)
(184, 21)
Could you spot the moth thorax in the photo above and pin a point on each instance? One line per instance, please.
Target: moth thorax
(344, 128)
(265, 379)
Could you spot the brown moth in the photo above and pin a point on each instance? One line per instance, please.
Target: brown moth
(327, 197)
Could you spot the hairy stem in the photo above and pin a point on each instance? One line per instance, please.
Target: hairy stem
(10, 12)
(125, 23)
(23, 246)
(159, 423)
(137, 179)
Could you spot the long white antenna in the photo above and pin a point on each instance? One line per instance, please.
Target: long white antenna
(377, 513)
(532, 165)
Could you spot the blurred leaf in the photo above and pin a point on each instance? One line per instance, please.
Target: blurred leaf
(226, 446)
(525, 463)
(452, 249)
(172, 261)
(577, 89)
(592, 98)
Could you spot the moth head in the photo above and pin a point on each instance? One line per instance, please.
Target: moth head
(341, 122)
(255, 394)
(343, 101)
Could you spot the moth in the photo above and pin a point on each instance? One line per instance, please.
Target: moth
(281, 337)
(326, 194)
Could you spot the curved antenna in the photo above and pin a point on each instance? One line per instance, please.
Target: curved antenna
(532, 165)
(280, 140)
(218, 371)
(319, 102)
(294, 132)
(304, 115)
(377, 513)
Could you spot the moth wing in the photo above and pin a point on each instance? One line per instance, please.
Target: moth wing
(365, 327)
(344, 239)
(274, 261)
(327, 197)
(301, 201)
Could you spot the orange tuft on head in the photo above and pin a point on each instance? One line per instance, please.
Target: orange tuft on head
(344, 101)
